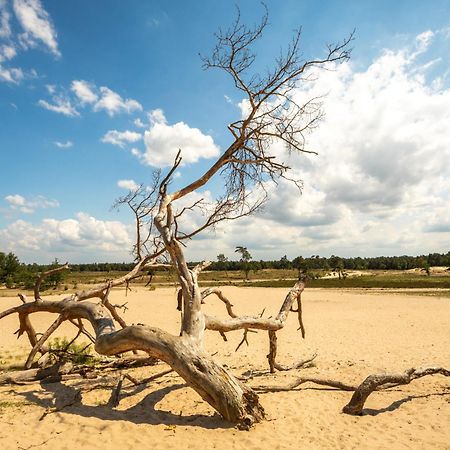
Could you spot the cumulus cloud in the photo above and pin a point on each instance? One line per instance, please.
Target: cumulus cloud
(7, 52)
(81, 238)
(60, 105)
(36, 24)
(37, 29)
(384, 134)
(15, 200)
(121, 138)
(138, 122)
(5, 17)
(82, 93)
(381, 182)
(66, 144)
(129, 185)
(113, 103)
(162, 142)
(157, 116)
(28, 206)
(11, 75)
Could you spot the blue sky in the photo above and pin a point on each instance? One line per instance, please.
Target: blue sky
(95, 93)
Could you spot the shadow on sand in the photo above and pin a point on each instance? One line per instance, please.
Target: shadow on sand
(395, 405)
(68, 400)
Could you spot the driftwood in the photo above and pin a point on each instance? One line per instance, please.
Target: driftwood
(372, 383)
(384, 381)
(302, 380)
(65, 370)
(54, 372)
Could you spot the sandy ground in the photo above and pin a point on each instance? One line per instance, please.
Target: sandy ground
(354, 334)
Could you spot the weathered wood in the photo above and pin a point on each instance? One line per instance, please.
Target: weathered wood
(378, 381)
(43, 275)
(302, 380)
(30, 375)
(53, 327)
(215, 384)
(115, 393)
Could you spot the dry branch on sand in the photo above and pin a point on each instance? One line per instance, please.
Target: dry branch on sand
(372, 383)
(246, 166)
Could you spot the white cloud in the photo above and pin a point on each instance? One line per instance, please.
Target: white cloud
(424, 40)
(82, 94)
(11, 75)
(138, 122)
(384, 134)
(7, 52)
(136, 152)
(84, 91)
(121, 138)
(60, 105)
(37, 27)
(83, 238)
(381, 182)
(157, 116)
(228, 99)
(28, 206)
(36, 24)
(15, 200)
(162, 142)
(129, 185)
(5, 17)
(51, 88)
(66, 144)
(113, 103)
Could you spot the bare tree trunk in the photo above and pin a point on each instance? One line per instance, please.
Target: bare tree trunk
(233, 400)
(227, 395)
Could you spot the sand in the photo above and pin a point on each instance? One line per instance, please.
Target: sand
(354, 334)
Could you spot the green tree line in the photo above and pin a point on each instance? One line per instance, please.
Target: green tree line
(337, 263)
(14, 273)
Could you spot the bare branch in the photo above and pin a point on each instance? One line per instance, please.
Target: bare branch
(221, 296)
(377, 381)
(302, 380)
(44, 275)
(53, 327)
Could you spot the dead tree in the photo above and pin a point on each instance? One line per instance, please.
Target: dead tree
(246, 166)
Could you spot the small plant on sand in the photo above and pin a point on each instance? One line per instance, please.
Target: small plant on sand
(76, 352)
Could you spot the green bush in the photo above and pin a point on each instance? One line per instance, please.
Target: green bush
(78, 353)
(9, 282)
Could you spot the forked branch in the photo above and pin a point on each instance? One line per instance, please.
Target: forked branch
(43, 275)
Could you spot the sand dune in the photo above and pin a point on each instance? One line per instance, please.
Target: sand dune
(354, 334)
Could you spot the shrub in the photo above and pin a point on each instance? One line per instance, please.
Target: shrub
(78, 353)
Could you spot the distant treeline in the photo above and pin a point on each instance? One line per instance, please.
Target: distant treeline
(15, 273)
(337, 263)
